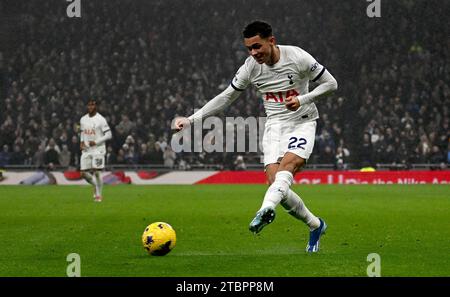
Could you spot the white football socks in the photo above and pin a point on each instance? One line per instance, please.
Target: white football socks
(295, 206)
(99, 183)
(278, 189)
(280, 192)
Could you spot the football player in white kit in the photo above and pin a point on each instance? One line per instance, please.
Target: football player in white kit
(94, 132)
(281, 73)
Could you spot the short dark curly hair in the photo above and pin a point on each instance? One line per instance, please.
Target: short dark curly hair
(260, 28)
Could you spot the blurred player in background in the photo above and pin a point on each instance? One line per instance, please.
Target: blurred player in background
(94, 132)
(281, 73)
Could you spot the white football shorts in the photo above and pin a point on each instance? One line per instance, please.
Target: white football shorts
(92, 160)
(280, 138)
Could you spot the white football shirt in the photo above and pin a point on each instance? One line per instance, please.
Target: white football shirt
(91, 129)
(290, 76)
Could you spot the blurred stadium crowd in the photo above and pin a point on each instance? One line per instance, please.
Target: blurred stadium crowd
(148, 61)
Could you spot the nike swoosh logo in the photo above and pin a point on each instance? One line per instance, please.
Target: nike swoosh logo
(258, 84)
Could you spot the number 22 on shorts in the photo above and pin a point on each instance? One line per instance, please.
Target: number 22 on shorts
(295, 142)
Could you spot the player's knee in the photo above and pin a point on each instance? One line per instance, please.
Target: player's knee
(295, 165)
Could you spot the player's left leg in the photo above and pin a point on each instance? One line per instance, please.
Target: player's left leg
(297, 208)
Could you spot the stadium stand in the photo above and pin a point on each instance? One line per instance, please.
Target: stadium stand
(148, 61)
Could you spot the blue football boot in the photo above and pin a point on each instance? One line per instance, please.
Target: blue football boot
(314, 237)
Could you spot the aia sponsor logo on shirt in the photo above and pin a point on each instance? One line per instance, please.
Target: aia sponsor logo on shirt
(280, 96)
(89, 131)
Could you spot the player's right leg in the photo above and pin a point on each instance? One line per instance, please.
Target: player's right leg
(85, 168)
(292, 202)
(265, 215)
(280, 193)
(89, 177)
(272, 153)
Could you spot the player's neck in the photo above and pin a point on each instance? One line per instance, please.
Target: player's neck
(92, 114)
(275, 56)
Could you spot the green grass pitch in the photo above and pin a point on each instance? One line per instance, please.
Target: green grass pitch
(407, 225)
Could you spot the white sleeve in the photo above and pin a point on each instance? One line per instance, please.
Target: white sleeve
(314, 71)
(106, 133)
(216, 104)
(105, 127)
(81, 132)
(327, 84)
(241, 79)
(105, 137)
(308, 66)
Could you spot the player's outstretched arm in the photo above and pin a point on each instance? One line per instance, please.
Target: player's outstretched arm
(214, 106)
(327, 85)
